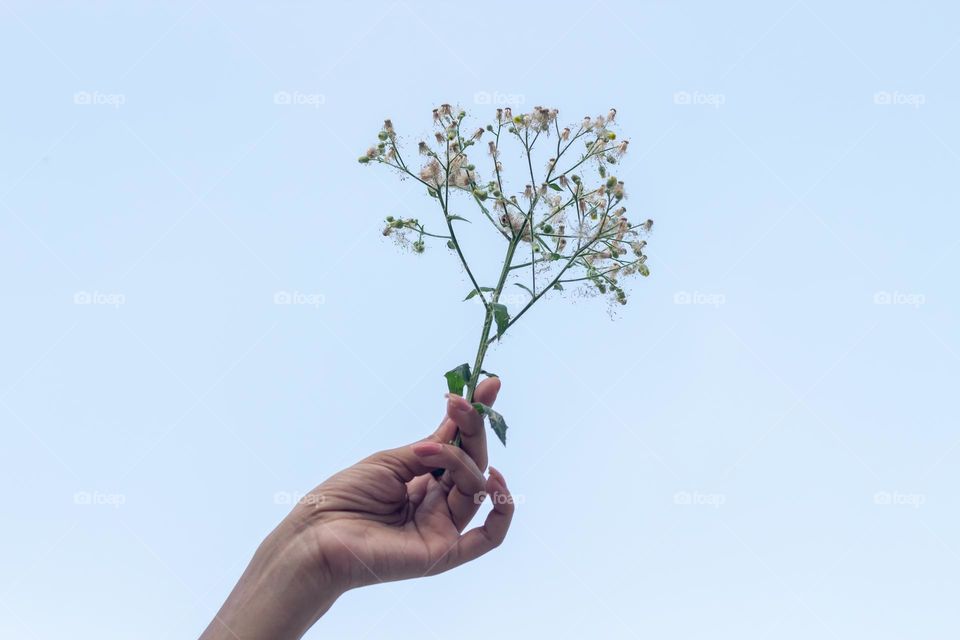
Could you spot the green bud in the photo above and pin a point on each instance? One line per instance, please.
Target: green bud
(363, 159)
(382, 135)
(611, 182)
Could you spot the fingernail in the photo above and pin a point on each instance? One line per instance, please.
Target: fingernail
(427, 448)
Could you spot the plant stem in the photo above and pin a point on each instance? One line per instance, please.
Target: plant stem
(485, 340)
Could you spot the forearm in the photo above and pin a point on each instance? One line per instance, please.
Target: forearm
(279, 596)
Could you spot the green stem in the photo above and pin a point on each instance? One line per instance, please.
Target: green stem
(485, 340)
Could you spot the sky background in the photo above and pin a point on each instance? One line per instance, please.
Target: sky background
(763, 444)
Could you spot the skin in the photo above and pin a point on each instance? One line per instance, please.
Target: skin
(385, 518)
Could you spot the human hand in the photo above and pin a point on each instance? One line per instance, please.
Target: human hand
(385, 518)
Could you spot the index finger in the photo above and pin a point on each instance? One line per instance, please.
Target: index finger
(473, 437)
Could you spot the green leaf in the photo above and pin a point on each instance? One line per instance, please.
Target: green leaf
(450, 245)
(558, 287)
(489, 374)
(475, 292)
(554, 186)
(497, 423)
(433, 194)
(526, 288)
(501, 316)
(452, 218)
(457, 378)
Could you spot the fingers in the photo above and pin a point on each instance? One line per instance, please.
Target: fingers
(445, 432)
(473, 437)
(405, 463)
(460, 468)
(480, 540)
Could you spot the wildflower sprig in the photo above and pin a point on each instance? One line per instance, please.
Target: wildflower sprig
(567, 226)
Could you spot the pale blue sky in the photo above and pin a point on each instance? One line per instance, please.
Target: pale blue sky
(782, 464)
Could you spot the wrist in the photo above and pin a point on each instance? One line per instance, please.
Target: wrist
(281, 594)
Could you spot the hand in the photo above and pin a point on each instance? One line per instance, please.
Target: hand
(385, 518)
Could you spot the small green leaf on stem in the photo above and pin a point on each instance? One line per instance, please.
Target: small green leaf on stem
(554, 186)
(451, 218)
(476, 291)
(457, 378)
(489, 374)
(501, 316)
(525, 288)
(497, 423)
